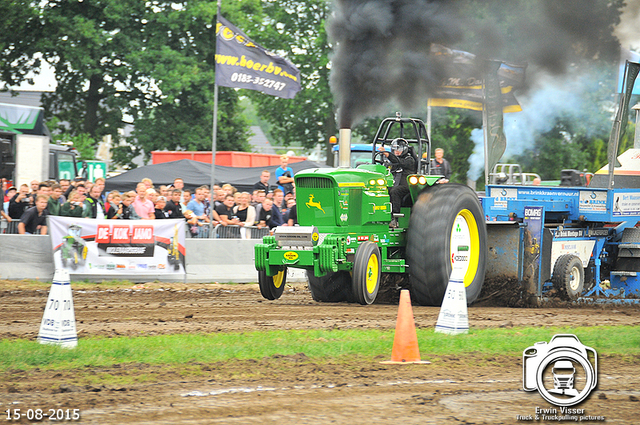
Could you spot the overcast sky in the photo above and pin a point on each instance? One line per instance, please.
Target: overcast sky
(627, 32)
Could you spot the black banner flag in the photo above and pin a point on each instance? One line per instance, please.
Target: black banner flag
(493, 114)
(241, 63)
(631, 72)
(463, 85)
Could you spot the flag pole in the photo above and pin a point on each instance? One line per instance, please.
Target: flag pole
(485, 130)
(214, 132)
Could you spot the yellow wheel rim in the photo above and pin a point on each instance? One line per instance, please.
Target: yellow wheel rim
(465, 247)
(278, 279)
(372, 273)
(84, 253)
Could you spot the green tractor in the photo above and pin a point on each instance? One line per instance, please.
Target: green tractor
(73, 250)
(344, 240)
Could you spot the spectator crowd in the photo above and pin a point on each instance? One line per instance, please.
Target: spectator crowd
(26, 208)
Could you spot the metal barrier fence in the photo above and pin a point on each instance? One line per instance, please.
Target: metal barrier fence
(200, 232)
(9, 227)
(239, 232)
(203, 232)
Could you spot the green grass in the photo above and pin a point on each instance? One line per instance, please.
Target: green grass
(333, 345)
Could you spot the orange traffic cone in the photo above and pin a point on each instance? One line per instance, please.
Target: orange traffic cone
(405, 342)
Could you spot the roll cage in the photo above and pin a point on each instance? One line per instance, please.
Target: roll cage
(413, 131)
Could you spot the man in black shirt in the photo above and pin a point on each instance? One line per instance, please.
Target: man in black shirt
(403, 164)
(20, 202)
(172, 208)
(225, 211)
(265, 216)
(34, 220)
(263, 184)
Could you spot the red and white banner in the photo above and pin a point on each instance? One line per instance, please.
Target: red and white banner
(118, 247)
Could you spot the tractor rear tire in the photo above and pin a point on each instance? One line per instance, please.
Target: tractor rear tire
(330, 288)
(366, 273)
(271, 287)
(568, 277)
(438, 212)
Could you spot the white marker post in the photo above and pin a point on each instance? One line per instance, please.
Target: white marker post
(454, 318)
(59, 320)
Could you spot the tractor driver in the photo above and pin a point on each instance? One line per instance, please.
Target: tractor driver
(403, 164)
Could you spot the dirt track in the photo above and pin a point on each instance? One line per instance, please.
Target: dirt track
(291, 389)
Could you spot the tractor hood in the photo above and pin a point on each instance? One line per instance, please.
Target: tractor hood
(332, 198)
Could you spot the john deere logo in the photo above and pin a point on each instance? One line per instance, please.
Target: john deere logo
(290, 255)
(315, 237)
(314, 204)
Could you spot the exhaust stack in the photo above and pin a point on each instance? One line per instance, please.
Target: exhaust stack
(344, 148)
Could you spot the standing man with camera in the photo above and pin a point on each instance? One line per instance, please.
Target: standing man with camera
(20, 202)
(284, 175)
(93, 206)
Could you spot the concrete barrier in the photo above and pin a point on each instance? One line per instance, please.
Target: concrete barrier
(26, 257)
(226, 260)
(220, 260)
(207, 260)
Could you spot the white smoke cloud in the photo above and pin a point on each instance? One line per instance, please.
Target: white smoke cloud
(549, 98)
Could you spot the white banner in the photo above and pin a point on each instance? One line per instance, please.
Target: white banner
(118, 247)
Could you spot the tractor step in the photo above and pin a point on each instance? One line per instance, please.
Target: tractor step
(394, 266)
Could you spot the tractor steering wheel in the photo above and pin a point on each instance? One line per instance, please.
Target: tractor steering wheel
(379, 158)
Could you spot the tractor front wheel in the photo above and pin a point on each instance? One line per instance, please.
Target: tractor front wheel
(272, 287)
(366, 273)
(446, 232)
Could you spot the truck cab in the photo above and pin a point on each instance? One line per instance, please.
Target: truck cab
(26, 151)
(25, 157)
(360, 154)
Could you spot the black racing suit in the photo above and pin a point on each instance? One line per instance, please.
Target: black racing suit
(401, 168)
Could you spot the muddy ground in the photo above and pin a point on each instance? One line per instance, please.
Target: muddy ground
(292, 389)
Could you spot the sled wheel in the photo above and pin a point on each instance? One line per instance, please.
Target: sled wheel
(271, 287)
(568, 276)
(330, 288)
(366, 273)
(446, 227)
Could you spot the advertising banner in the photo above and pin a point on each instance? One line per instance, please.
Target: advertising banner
(118, 247)
(534, 219)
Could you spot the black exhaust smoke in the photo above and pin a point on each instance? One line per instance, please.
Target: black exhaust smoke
(381, 53)
(381, 47)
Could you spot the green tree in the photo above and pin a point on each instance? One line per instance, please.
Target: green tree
(88, 44)
(178, 59)
(452, 132)
(149, 63)
(20, 34)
